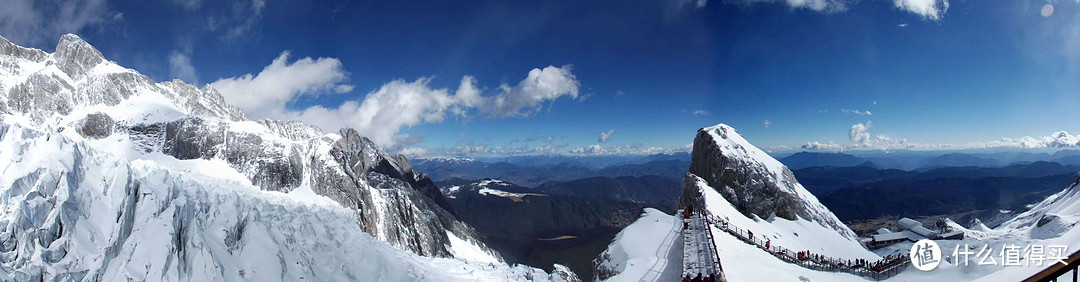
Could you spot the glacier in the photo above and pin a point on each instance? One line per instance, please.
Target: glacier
(108, 175)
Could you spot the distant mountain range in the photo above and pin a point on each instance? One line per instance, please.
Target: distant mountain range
(924, 161)
(649, 189)
(862, 193)
(594, 162)
(521, 173)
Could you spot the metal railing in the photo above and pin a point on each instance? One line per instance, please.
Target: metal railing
(876, 270)
(1058, 270)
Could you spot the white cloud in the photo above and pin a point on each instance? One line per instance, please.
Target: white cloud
(828, 6)
(189, 5)
(860, 137)
(398, 104)
(857, 112)
(815, 145)
(701, 113)
(928, 9)
(383, 113)
(628, 149)
(1060, 139)
(695, 3)
(549, 149)
(767, 123)
(860, 133)
(180, 67)
(594, 149)
(604, 136)
(266, 94)
(484, 149)
(414, 152)
(236, 18)
(525, 98)
(28, 22)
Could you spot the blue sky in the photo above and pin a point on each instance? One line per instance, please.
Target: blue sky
(889, 74)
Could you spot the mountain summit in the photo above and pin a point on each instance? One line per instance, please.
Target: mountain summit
(750, 191)
(756, 184)
(108, 175)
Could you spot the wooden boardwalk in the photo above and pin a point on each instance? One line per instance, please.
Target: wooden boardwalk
(700, 259)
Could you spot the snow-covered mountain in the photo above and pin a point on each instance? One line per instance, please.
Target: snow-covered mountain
(736, 181)
(1051, 218)
(108, 174)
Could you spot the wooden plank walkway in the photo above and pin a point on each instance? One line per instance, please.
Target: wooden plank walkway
(700, 259)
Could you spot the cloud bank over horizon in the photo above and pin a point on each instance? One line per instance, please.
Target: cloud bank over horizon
(860, 138)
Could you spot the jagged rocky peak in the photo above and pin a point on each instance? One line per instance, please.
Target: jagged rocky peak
(752, 181)
(370, 158)
(76, 89)
(75, 56)
(10, 49)
(294, 130)
(206, 101)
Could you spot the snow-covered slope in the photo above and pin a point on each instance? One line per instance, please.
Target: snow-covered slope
(134, 117)
(492, 187)
(1050, 218)
(650, 249)
(73, 212)
(179, 167)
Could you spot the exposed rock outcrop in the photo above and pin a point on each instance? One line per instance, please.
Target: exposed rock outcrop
(751, 180)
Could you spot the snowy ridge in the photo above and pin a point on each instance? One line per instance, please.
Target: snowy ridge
(62, 196)
(647, 250)
(136, 118)
(1050, 222)
(192, 136)
(1051, 218)
(792, 234)
(733, 145)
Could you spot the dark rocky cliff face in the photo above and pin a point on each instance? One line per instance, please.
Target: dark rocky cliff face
(748, 185)
(754, 186)
(415, 220)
